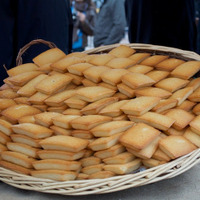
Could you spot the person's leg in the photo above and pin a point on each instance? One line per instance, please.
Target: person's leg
(7, 31)
(47, 19)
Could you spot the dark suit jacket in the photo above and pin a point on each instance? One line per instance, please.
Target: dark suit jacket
(22, 21)
(168, 23)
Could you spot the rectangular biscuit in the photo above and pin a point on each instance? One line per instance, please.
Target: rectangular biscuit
(17, 158)
(53, 83)
(85, 162)
(22, 100)
(120, 63)
(123, 168)
(49, 56)
(59, 98)
(84, 134)
(64, 143)
(195, 83)
(22, 148)
(173, 131)
(89, 121)
(176, 146)
(14, 167)
(8, 94)
(28, 67)
(23, 78)
(62, 65)
(94, 73)
(152, 162)
(101, 175)
(32, 130)
(75, 102)
(146, 152)
(153, 60)
(87, 83)
(76, 80)
(114, 109)
(113, 76)
(60, 155)
(14, 112)
(38, 98)
(172, 84)
(110, 128)
(126, 90)
(195, 124)
(5, 127)
(106, 85)
(142, 69)
(45, 118)
(63, 121)
(4, 138)
(112, 151)
(56, 164)
(57, 175)
(193, 137)
(29, 88)
(5, 103)
(140, 105)
(157, 75)
(121, 158)
(72, 111)
(160, 155)
(139, 57)
(105, 142)
(23, 139)
(91, 94)
(92, 169)
(155, 120)
(152, 91)
(78, 68)
(137, 80)
(139, 136)
(122, 51)
(165, 104)
(60, 131)
(97, 106)
(100, 59)
(186, 70)
(196, 109)
(169, 64)
(182, 94)
(181, 122)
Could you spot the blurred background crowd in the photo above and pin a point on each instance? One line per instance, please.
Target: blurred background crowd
(78, 25)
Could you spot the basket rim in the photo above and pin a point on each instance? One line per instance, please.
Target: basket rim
(100, 186)
(154, 49)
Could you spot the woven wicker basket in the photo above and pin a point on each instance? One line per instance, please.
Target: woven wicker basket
(117, 183)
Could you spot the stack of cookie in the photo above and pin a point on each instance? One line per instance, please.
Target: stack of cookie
(81, 116)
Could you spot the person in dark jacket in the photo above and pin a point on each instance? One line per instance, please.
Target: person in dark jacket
(168, 23)
(22, 21)
(84, 15)
(110, 24)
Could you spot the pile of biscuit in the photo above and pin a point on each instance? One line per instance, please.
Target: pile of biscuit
(78, 116)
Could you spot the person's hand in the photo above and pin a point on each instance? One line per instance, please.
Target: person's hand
(81, 16)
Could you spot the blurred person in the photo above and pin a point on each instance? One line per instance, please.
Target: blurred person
(110, 24)
(83, 12)
(22, 21)
(168, 23)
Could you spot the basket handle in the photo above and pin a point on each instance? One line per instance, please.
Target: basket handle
(19, 59)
